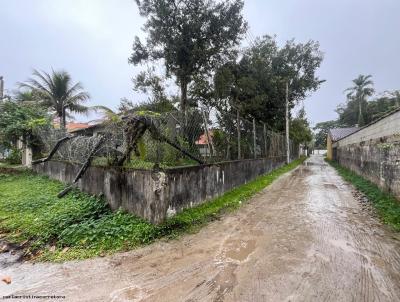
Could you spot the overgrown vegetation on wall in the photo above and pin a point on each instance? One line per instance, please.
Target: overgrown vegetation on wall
(388, 207)
(82, 226)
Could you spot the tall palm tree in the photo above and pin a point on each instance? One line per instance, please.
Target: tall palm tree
(56, 92)
(359, 92)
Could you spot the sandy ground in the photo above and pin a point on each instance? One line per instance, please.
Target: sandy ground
(307, 237)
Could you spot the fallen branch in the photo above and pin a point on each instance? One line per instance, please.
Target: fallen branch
(53, 151)
(83, 169)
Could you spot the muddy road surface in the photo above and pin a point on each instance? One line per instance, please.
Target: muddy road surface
(307, 237)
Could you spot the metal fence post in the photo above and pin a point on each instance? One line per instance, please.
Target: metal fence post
(209, 138)
(238, 132)
(254, 137)
(265, 138)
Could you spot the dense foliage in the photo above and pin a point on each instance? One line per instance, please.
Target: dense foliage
(18, 121)
(349, 113)
(256, 85)
(191, 37)
(300, 131)
(322, 133)
(357, 95)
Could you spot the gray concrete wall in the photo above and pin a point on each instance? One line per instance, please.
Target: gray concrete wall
(385, 127)
(157, 195)
(375, 161)
(374, 153)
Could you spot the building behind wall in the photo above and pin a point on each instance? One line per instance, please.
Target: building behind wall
(334, 135)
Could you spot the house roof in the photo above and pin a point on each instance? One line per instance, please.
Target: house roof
(76, 126)
(203, 139)
(338, 133)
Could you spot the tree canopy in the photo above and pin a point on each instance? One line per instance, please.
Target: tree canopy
(357, 95)
(321, 132)
(191, 37)
(371, 110)
(257, 83)
(19, 120)
(300, 131)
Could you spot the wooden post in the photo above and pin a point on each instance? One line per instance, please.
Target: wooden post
(209, 139)
(238, 132)
(287, 124)
(265, 138)
(254, 137)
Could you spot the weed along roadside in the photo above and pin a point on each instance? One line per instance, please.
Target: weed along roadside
(387, 206)
(81, 226)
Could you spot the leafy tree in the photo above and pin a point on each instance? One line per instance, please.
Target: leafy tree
(159, 106)
(382, 105)
(300, 131)
(322, 132)
(150, 83)
(56, 92)
(19, 120)
(190, 36)
(358, 93)
(349, 112)
(257, 83)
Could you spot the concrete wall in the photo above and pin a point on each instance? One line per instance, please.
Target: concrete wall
(376, 161)
(157, 195)
(384, 127)
(329, 147)
(374, 153)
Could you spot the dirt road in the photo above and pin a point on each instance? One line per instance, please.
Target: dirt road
(304, 238)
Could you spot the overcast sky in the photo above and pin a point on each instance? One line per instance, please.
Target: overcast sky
(92, 39)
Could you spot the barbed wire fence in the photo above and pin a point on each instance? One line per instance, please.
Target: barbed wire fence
(208, 134)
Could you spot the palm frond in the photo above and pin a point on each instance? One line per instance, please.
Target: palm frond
(77, 108)
(77, 98)
(108, 113)
(57, 92)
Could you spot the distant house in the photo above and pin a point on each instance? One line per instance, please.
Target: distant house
(77, 128)
(72, 126)
(204, 143)
(334, 135)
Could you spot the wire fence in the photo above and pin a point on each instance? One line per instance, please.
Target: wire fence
(170, 140)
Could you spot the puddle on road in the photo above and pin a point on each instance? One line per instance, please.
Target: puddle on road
(130, 293)
(241, 252)
(330, 186)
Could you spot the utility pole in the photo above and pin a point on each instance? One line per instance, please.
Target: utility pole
(238, 132)
(287, 124)
(254, 138)
(1, 88)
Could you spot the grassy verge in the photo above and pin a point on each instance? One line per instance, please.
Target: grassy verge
(387, 206)
(81, 226)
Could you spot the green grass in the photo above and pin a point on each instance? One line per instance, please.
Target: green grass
(4, 164)
(80, 226)
(387, 206)
(138, 163)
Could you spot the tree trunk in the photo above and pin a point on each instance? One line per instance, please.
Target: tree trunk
(61, 118)
(184, 86)
(287, 124)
